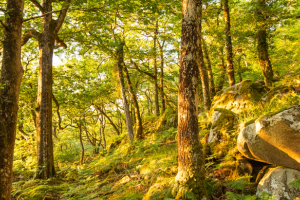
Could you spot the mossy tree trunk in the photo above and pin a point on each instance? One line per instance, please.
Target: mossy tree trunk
(119, 58)
(81, 143)
(11, 76)
(190, 180)
(230, 68)
(262, 44)
(209, 70)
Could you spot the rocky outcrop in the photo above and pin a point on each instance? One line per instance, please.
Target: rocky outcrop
(221, 131)
(273, 139)
(276, 182)
(240, 97)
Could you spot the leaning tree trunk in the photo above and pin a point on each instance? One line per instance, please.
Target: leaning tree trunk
(262, 46)
(11, 76)
(155, 71)
(191, 174)
(139, 123)
(120, 61)
(230, 68)
(209, 70)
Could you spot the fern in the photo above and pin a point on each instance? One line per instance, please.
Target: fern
(264, 196)
(296, 183)
(240, 183)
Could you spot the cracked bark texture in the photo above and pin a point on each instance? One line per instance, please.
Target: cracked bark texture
(191, 170)
(11, 76)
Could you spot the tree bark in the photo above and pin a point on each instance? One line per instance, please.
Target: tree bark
(11, 76)
(230, 68)
(139, 123)
(120, 60)
(191, 174)
(209, 70)
(155, 71)
(262, 44)
(45, 164)
(162, 62)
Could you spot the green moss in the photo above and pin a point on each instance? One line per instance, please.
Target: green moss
(280, 89)
(249, 122)
(240, 97)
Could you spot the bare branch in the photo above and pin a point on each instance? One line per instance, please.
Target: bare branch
(62, 16)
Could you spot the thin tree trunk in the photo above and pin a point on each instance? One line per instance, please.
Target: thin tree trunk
(125, 104)
(240, 68)
(103, 132)
(209, 70)
(155, 71)
(191, 174)
(230, 68)
(162, 62)
(81, 143)
(11, 76)
(262, 45)
(139, 123)
(223, 70)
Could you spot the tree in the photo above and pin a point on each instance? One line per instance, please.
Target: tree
(120, 61)
(11, 76)
(47, 40)
(262, 44)
(191, 174)
(230, 67)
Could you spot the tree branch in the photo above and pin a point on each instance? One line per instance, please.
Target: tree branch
(62, 16)
(60, 43)
(141, 71)
(29, 34)
(38, 5)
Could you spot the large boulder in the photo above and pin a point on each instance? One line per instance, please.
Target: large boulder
(273, 139)
(240, 97)
(276, 182)
(220, 135)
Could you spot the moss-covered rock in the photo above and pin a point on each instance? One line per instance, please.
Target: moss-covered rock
(280, 90)
(240, 97)
(221, 133)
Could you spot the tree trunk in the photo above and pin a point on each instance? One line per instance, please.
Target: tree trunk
(125, 104)
(11, 76)
(191, 174)
(223, 70)
(139, 123)
(162, 62)
(230, 68)
(155, 71)
(240, 68)
(81, 143)
(209, 70)
(262, 45)
(45, 164)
